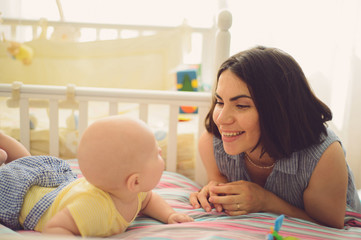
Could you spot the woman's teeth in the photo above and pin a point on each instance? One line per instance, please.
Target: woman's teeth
(231, 134)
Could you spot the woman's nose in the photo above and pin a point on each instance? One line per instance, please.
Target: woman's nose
(225, 116)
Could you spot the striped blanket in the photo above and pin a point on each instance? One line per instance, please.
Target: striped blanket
(176, 188)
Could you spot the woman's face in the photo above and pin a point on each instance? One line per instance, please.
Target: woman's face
(236, 115)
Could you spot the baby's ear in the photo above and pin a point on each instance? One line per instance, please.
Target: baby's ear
(133, 182)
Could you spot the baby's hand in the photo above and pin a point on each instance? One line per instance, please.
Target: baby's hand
(179, 218)
(3, 156)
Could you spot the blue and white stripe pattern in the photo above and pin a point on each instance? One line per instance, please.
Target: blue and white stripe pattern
(18, 176)
(290, 176)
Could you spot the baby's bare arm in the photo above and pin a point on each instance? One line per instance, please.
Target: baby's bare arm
(12, 147)
(62, 223)
(156, 207)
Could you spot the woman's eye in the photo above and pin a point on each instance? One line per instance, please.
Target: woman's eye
(218, 102)
(242, 106)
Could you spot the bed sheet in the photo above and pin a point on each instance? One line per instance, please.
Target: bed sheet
(175, 188)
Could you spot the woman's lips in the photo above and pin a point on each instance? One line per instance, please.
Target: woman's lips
(231, 136)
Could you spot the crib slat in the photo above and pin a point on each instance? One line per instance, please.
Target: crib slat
(54, 127)
(113, 108)
(35, 31)
(24, 122)
(13, 31)
(143, 112)
(83, 116)
(97, 36)
(172, 138)
(208, 59)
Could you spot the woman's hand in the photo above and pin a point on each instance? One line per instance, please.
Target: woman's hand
(238, 198)
(200, 199)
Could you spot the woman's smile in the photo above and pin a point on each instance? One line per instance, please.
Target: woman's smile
(231, 136)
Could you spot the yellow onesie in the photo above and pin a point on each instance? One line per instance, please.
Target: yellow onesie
(92, 209)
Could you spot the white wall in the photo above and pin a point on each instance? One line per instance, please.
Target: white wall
(324, 36)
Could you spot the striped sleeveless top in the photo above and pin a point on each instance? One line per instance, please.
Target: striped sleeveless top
(289, 177)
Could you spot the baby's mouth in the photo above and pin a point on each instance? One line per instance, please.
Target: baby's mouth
(232, 134)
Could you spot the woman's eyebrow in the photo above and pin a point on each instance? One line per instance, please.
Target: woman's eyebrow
(217, 96)
(234, 98)
(238, 97)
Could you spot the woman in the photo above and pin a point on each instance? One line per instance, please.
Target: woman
(267, 147)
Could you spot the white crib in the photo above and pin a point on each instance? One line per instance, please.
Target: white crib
(54, 95)
(216, 41)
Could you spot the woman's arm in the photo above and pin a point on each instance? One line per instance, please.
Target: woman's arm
(205, 147)
(243, 197)
(239, 197)
(324, 198)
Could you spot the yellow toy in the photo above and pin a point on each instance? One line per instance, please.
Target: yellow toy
(21, 52)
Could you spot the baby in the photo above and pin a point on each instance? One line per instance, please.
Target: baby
(10, 149)
(3, 156)
(121, 163)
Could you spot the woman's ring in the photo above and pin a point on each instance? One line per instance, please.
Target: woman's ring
(238, 207)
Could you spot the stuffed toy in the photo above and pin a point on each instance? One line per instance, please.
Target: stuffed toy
(21, 52)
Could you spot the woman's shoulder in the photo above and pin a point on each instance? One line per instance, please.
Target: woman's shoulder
(326, 140)
(315, 151)
(331, 135)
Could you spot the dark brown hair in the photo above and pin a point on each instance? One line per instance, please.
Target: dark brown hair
(291, 117)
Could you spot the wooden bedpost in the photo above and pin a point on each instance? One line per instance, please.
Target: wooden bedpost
(223, 37)
(223, 40)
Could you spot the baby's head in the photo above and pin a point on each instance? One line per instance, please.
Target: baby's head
(119, 151)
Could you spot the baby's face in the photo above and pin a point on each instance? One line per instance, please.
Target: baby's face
(154, 167)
